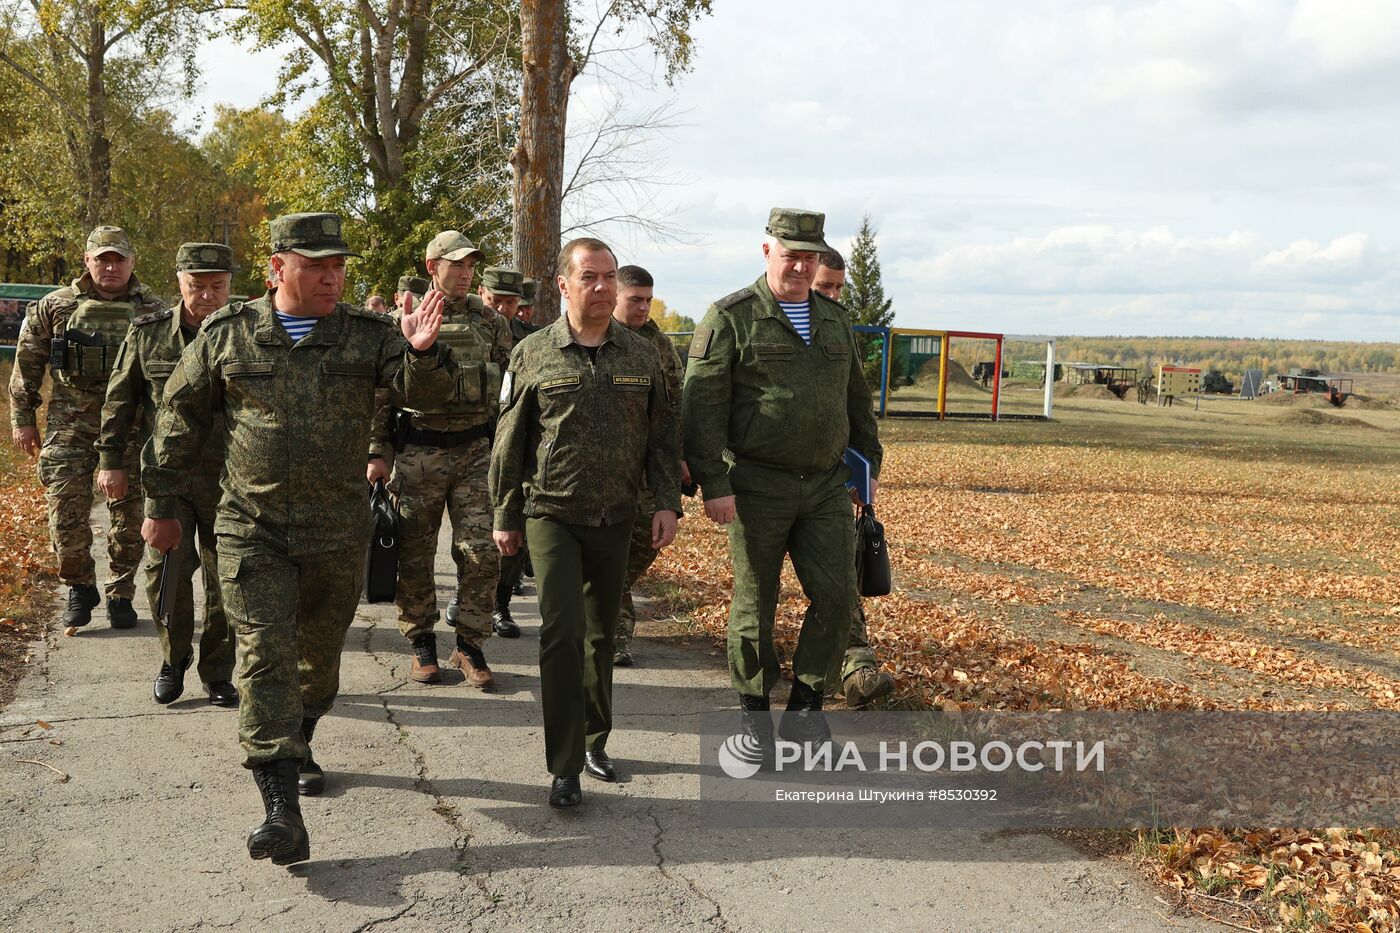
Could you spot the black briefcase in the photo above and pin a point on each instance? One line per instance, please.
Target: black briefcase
(382, 558)
(872, 556)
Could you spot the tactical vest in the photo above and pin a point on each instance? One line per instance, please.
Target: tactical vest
(479, 385)
(84, 354)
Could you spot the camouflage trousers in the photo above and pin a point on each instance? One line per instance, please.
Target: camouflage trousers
(67, 467)
(639, 558)
(291, 615)
(216, 644)
(430, 480)
(809, 519)
(858, 651)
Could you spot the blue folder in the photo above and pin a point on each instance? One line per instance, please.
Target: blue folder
(860, 474)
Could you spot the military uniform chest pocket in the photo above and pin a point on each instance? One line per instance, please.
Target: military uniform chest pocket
(250, 385)
(157, 374)
(348, 383)
(774, 352)
(836, 351)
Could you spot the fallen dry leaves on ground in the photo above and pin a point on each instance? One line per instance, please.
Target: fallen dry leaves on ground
(1047, 576)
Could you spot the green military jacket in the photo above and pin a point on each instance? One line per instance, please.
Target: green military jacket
(296, 418)
(32, 348)
(755, 392)
(519, 330)
(145, 362)
(575, 436)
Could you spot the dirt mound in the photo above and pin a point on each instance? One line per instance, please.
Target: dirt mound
(1314, 416)
(957, 377)
(1367, 403)
(1296, 400)
(1065, 390)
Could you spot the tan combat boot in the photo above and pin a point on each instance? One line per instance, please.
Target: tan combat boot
(865, 685)
(472, 663)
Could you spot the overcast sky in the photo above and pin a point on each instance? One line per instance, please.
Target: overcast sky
(1219, 167)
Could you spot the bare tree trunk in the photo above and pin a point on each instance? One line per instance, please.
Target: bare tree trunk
(99, 154)
(538, 159)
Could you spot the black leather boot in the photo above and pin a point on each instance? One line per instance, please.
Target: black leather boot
(120, 612)
(803, 722)
(282, 836)
(311, 780)
(82, 599)
(170, 680)
(756, 730)
(501, 622)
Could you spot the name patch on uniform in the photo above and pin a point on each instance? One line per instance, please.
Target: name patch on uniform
(561, 381)
(642, 381)
(700, 343)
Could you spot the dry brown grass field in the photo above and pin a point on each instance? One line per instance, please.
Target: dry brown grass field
(1135, 557)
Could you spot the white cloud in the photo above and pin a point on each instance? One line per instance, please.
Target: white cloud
(1346, 35)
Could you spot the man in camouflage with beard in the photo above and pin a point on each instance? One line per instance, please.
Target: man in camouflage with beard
(76, 333)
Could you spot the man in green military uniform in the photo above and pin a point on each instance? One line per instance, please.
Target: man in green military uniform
(584, 416)
(525, 312)
(518, 564)
(774, 394)
(290, 378)
(635, 288)
(502, 290)
(204, 272)
(76, 333)
(439, 458)
(859, 676)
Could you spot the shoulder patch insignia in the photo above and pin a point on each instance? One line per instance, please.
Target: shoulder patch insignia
(162, 315)
(733, 298)
(700, 343)
(507, 388)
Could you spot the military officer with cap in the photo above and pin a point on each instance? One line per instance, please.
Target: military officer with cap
(148, 356)
(439, 457)
(584, 415)
(415, 284)
(525, 312)
(75, 333)
(502, 290)
(774, 394)
(290, 379)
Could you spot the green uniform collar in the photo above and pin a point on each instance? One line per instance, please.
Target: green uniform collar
(270, 330)
(561, 335)
(820, 307)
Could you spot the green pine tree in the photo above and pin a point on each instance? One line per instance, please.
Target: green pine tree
(865, 297)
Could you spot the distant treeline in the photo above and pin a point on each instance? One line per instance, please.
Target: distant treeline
(1230, 356)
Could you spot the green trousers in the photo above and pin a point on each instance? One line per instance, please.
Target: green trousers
(579, 572)
(639, 559)
(216, 644)
(809, 519)
(291, 615)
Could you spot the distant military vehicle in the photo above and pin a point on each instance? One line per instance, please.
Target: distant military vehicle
(1215, 383)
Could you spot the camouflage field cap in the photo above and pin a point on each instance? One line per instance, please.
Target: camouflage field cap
(203, 257)
(413, 283)
(314, 236)
(453, 245)
(109, 240)
(499, 280)
(798, 229)
(527, 292)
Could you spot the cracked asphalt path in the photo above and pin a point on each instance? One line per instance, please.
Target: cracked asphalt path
(435, 816)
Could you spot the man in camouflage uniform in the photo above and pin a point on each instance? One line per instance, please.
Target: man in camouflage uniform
(774, 394)
(440, 465)
(147, 358)
(516, 566)
(584, 416)
(525, 312)
(292, 523)
(858, 674)
(410, 284)
(87, 322)
(634, 294)
(502, 290)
